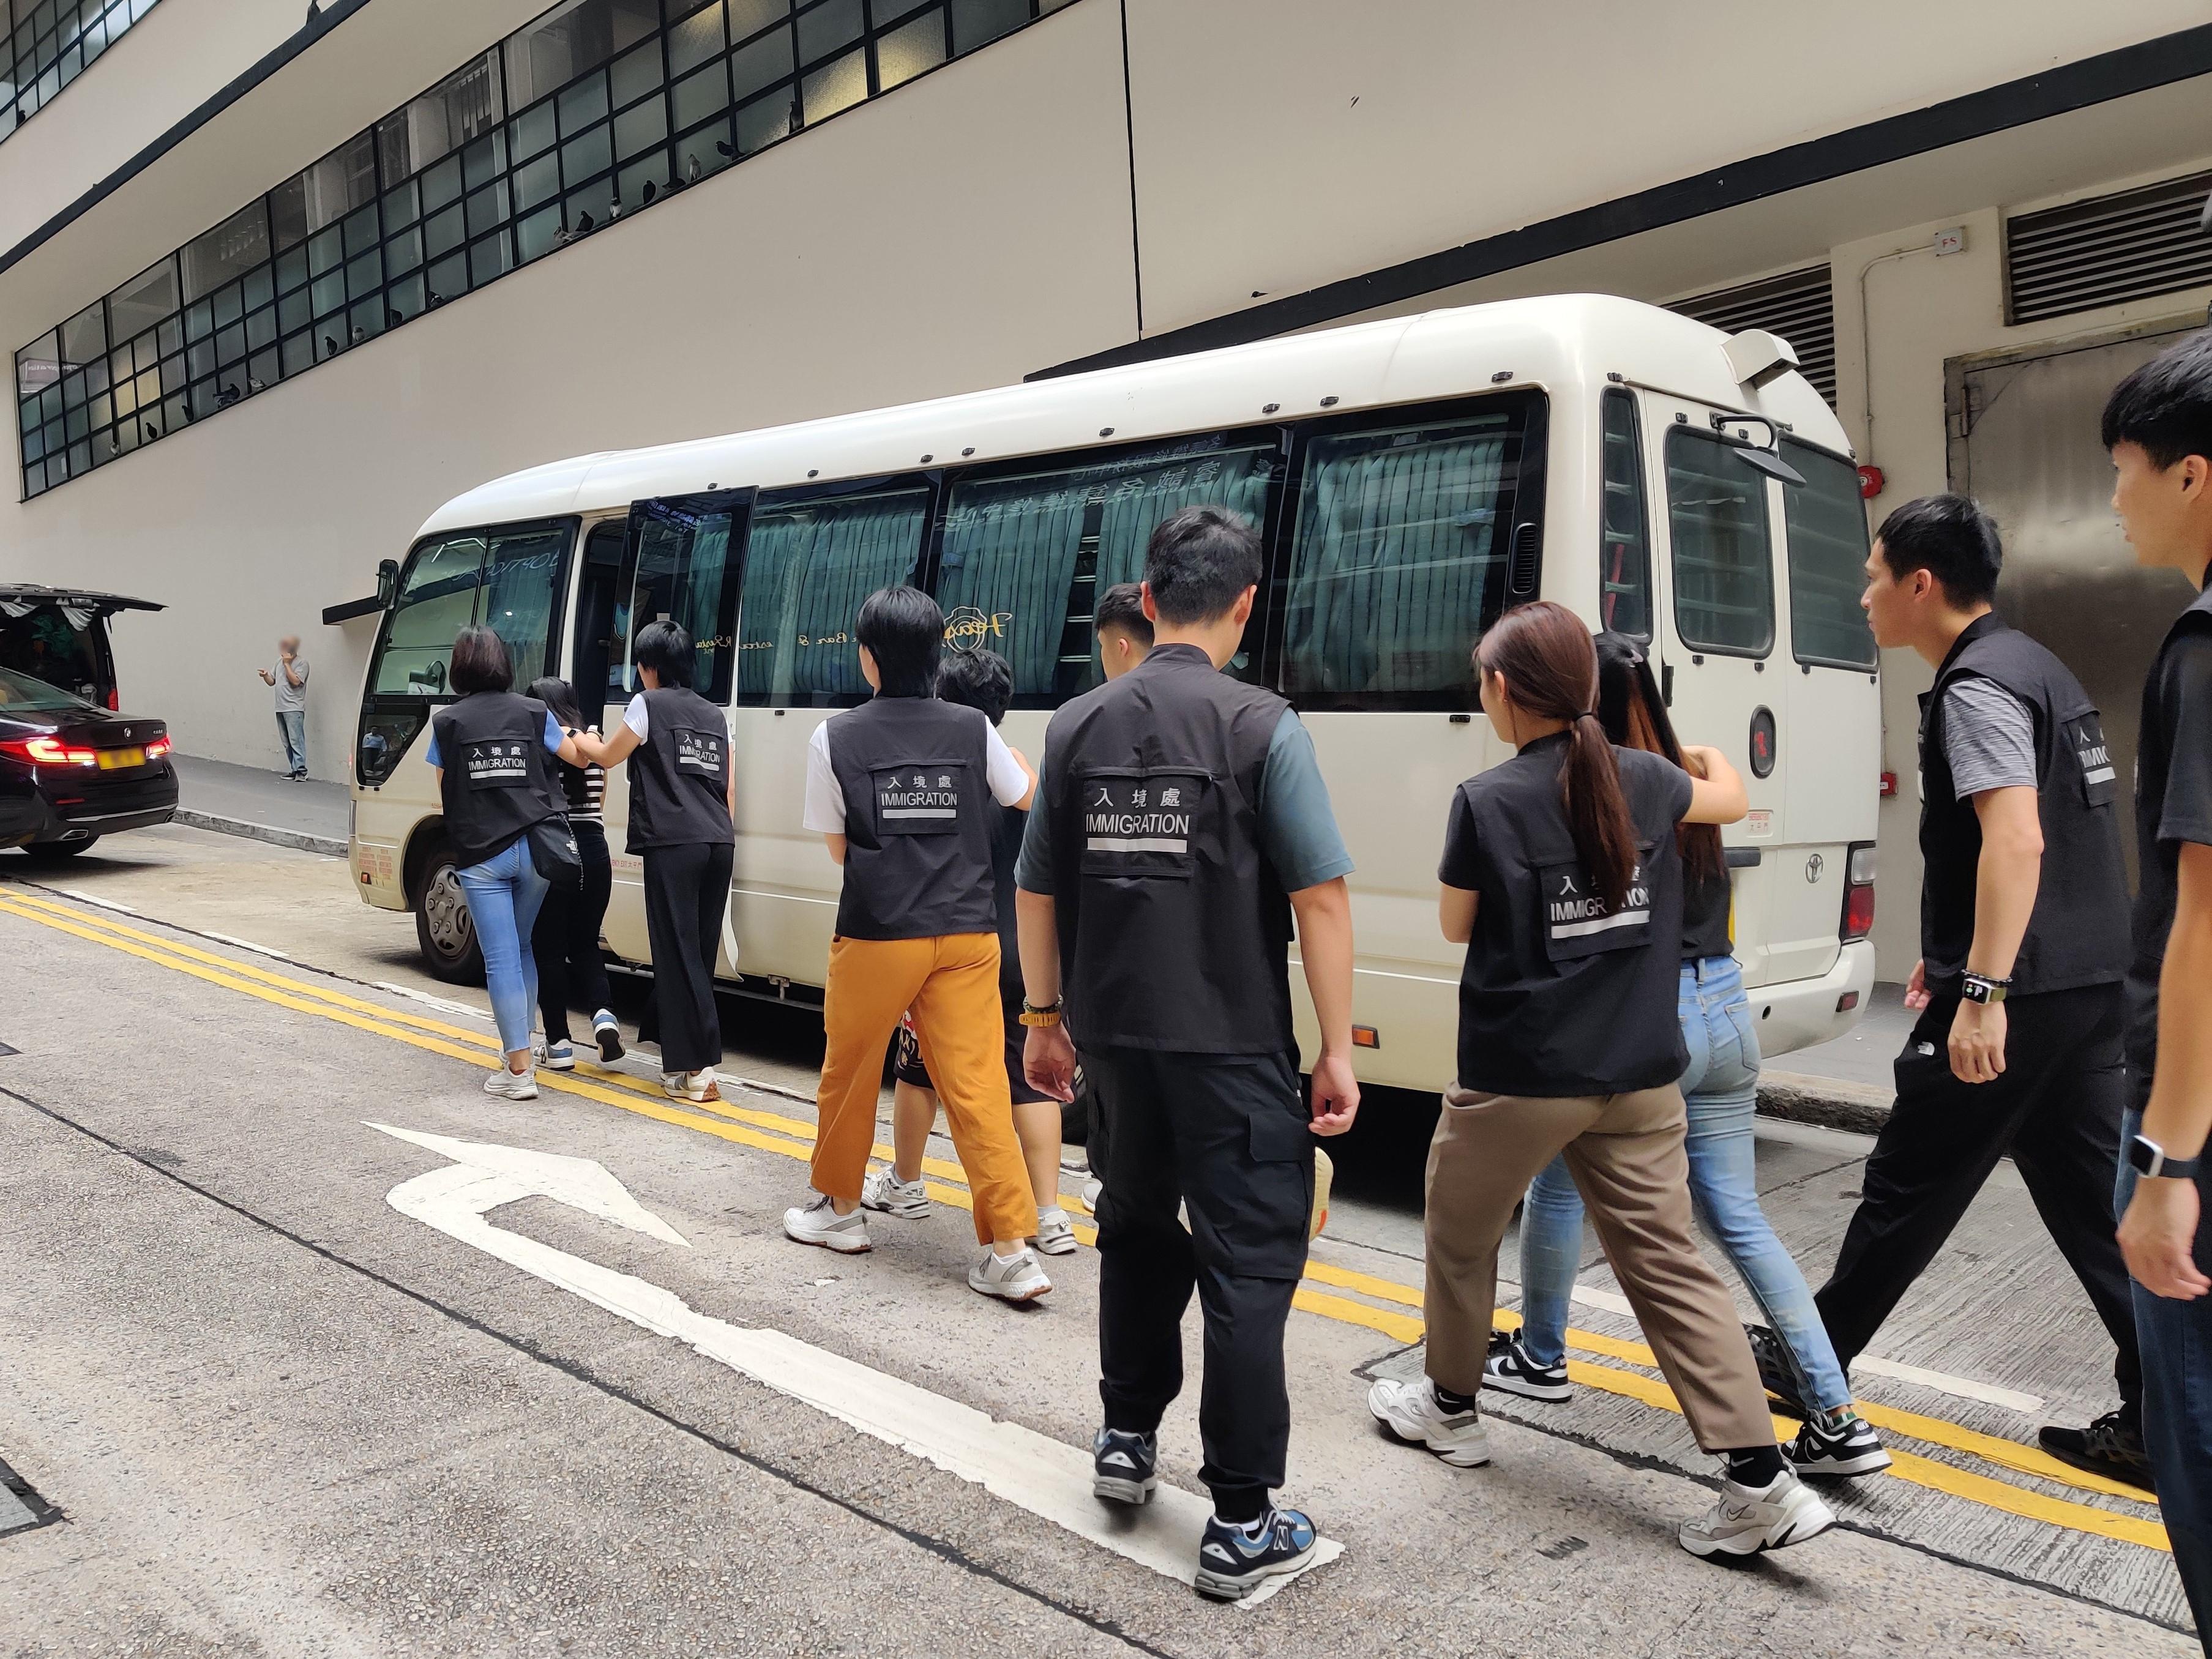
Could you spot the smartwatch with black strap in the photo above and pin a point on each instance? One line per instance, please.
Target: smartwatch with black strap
(2148, 1159)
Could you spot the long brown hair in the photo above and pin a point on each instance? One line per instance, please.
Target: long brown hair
(1550, 667)
(1634, 715)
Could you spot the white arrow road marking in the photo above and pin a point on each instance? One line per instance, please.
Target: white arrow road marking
(1048, 1479)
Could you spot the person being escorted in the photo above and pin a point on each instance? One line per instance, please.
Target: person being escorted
(496, 786)
(1122, 630)
(1182, 823)
(290, 677)
(565, 944)
(682, 825)
(2023, 939)
(1560, 875)
(899, 788)
(1721, 1091)
(2158, 426)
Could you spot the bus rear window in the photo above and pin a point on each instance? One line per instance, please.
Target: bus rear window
(1827, 527)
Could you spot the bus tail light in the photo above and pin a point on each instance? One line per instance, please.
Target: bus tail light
(1858, 891)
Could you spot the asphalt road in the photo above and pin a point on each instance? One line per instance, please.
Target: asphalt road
(307, 1347)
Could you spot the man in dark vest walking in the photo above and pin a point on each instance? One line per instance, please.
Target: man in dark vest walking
(1181, 824)
(2024, 942)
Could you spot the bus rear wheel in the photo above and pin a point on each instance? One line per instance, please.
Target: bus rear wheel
(442, 928)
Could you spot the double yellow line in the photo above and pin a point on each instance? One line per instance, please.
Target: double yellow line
(793, 1137)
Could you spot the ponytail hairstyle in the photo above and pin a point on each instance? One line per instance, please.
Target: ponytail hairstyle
(1550, 667)
(1634, 716)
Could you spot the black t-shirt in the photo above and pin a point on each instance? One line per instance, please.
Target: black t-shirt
(1705, 916)
(2174, 805)
(1008, 825)
(1561, 996)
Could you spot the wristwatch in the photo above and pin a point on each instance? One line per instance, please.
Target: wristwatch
(1980, 988)
(1033, 1015)
(2146, 1158)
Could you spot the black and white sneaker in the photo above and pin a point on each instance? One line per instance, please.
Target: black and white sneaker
(1778, 1371)
(1233, 1561)
(1509, 1370)
(1124, 1466)
(1852, 1449)
(608, 1034)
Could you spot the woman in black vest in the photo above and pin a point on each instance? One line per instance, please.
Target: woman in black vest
(682, 824)
(565, 944)
(1561, 876)
(495, 782)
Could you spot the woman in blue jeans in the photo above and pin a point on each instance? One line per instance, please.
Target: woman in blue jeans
(1721, 1089)
(496, 782)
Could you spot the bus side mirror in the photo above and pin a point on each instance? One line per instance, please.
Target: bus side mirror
(388, 583)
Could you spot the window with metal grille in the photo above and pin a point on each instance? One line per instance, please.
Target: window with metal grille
(2105, 250)
(1799, 306)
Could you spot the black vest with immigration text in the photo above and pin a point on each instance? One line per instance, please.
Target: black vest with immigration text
(915, 775)
(498, 777)
(679, 775)
(2077, 934)
(1174, 927)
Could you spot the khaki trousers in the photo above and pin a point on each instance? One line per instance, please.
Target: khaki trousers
(1626, 1155)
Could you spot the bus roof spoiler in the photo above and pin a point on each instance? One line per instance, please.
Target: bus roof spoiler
(1755, 356)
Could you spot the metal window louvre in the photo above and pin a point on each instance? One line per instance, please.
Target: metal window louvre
(1798, 305)
(2127, 246)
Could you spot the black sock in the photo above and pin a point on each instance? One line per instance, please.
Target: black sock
(1241, 1509)
(1753, 1466)
(1452, 1404)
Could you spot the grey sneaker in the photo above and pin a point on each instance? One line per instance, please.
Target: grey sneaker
(1748, 1519)
(554, 1056)
(1055, 1234)
(697, 1087)
(1124, 1465)
(512, 1085)
(1017, 1278)
(817, 1222)
(882, 1189)
(1410, 1413)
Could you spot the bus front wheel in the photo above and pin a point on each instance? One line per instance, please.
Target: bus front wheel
(442, 928)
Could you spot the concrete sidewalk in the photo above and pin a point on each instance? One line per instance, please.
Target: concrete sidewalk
(1846, 1083)
(245, 800)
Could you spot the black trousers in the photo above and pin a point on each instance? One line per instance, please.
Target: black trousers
(566, 940)
(2055, 1109)
(686, 889)
(1224, 1136)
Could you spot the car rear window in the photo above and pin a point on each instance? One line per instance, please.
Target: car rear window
(25, 694)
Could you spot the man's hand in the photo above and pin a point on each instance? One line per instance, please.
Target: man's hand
(2157, 1234)
(1335, 1095)
(1916, 988)
(1048, 1062)
(1978, 1041)
(267, 678)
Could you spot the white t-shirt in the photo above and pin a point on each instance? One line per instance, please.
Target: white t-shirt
(634, 716)
(825, 798)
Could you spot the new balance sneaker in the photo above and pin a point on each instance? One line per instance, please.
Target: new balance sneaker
(1412, 1412)
(1015, 1277)
(1749, 1519)
(1233, 1561)
(512, 1085)
(1055, 1234)
(1849, 1449)
(1124, 1466)
(817, 1222)
(1778, 1371)
(2113, 1446)
(608, 1034)
(554, 1056)
(694, 1086)
(882, 1189)
(1509, 1370)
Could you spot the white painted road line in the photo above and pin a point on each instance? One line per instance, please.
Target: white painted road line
(435, 1002)
(1048, 1479)
(248, 944)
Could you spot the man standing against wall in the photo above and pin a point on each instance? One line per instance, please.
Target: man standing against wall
(290, 677)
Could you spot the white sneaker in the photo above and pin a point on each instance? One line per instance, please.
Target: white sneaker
(1091, 1190)
(1055, 1234)
(1410, 1412)
(1017, 1278)
(553, 1056)
(512, 1085)
(694, 1086)
(1749, 1519)
(882, 1189)
(817, 1222)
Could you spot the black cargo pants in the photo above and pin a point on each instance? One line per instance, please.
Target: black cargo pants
(1224, 1137)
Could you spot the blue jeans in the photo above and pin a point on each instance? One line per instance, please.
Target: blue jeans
(1721, 1089)
(503, 894)
(2176, 1365)
(292, 725)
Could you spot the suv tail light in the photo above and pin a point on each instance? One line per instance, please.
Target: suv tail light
(1858, 891)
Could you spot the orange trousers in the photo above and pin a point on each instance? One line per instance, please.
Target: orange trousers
(951, 984)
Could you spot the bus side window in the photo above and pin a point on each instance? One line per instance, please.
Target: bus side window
(1717, 521)
(1623, 598)
(810, 560)
(1826, 525)
(684, 570)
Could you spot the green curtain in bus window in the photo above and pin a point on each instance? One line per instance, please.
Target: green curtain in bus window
(1826, 525)
(684, 576)
(1399, 558)
(521, 579)
(435, 602)
(808, 564)
(1723, 562)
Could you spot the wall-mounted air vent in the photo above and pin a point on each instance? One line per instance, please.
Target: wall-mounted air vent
(2107, 249)
(1797, 304)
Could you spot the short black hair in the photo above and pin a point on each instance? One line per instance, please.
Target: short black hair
(1951, 538)
(2165, 406)
(480, 661)
(904, 632)
(1200, 560)
(1122, 607)
(976, 679)
(665, 648)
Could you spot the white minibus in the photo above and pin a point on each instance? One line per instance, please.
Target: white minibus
(1413, 479)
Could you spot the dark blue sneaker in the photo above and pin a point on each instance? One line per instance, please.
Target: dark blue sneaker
(1233, 1561)
(1778, 1371)
(1124, 1466)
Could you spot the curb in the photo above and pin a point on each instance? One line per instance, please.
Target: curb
(297, 839)
(1830, 1103)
